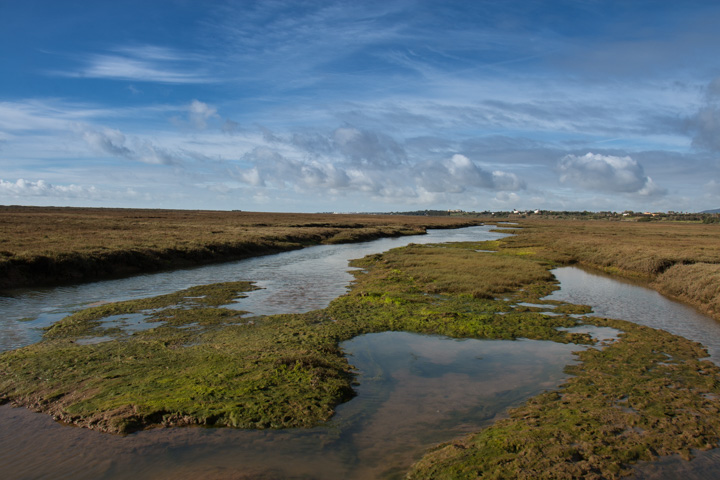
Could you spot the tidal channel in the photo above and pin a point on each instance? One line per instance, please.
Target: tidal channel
(413, 391)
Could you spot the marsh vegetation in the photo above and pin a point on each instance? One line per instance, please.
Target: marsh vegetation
(646, 394)
(50, 246)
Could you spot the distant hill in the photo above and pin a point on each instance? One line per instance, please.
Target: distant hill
(717, 210)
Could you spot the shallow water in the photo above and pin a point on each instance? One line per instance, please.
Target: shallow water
(414, 392)
(615, 298)
(292, 282)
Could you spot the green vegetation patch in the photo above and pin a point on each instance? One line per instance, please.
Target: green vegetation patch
(192, 305)
(275, 374)
(205, 364)
(638, 398)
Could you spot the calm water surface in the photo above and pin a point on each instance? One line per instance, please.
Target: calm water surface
(414, 391)
(292, 282)
(615, 298)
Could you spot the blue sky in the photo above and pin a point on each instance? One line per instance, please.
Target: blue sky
(391, 105)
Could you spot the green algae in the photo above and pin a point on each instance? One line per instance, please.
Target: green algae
(643, 395)
(205, 364)
(173, 309)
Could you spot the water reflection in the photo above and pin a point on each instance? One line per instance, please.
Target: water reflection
(615, 298)
(293, 282)
(415, 391)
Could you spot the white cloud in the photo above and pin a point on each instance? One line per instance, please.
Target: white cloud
(364, 147)
(705, 126)
(144, 64)
(152, 154)
(506, 198)
(39, 115)
(107, 141)
(458, 174)
(114, 143)
(651, 189)
(507, 181)
(270, 167)
(607, 173)
(200, 113)
(41, 188)
(712, 187)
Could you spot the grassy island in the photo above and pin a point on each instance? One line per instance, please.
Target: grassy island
(193, 360)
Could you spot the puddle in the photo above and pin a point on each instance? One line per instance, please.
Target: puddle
(600, 334)
(129, 323)
(94, 340)
(535, 305)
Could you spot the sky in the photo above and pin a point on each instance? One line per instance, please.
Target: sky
(372, 106)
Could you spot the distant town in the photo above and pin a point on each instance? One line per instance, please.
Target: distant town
(710, 216)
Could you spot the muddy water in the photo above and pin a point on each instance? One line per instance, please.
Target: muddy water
(414, 391)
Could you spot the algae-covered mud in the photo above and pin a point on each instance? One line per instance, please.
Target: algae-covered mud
(642, 395)
(413, 391)
(209, 365)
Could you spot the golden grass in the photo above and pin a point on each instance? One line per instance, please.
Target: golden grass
(46, 245)
(698, 284)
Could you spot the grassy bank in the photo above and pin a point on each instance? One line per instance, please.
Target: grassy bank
(646, 394)
(642, 397)
(49, 246)
(681, 260)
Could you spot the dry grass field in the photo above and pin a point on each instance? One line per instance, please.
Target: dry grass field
(41, 245)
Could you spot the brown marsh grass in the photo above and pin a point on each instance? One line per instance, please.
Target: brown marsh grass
(47, 245)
